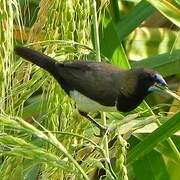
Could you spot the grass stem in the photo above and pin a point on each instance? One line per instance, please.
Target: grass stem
(103, 114)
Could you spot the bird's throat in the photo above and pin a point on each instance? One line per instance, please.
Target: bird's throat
(126, 104)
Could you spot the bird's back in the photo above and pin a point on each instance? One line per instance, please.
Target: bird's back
(94, 80)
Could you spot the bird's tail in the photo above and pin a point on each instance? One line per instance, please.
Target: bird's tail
(37, 58)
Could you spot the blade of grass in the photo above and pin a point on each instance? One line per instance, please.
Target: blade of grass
(103, 115)
(47, 136)
(111, 46)
(19, 147)
(167, 9)
(161, 63)
(134, 18)
(162, 133)
(153, 166)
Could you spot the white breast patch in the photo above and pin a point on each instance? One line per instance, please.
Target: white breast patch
(88, 105)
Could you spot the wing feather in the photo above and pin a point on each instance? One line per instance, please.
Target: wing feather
(94, 80)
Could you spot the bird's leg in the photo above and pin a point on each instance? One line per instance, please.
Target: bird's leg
(102, 128)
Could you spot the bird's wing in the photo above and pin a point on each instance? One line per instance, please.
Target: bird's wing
(94, 80)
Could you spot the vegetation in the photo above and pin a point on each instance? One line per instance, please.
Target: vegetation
(42, 134)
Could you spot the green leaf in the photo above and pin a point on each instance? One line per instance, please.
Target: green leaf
(168, 10)
(32, 172)
(153, 167)
(119, 58)
(162, 62)
(111, 46)
(35, 107)
(160, 134)
(134, 18)
(164, 147)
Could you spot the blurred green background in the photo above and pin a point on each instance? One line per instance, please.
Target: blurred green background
(42, 136)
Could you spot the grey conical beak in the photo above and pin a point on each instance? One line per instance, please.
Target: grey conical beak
(159, 83)
(159, 80)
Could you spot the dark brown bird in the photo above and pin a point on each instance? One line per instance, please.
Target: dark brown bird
(98, 86)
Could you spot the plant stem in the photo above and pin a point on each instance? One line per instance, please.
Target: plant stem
(96, 33)
(174, 95)
(106, 148)
(103, 114)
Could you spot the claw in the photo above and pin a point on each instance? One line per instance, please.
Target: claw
(103, 129)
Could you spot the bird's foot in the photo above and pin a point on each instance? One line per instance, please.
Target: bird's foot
(103, 129)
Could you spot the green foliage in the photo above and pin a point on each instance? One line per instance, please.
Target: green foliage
(42, 136)
(159, 135)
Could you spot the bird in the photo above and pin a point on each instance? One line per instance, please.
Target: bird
(98, 86)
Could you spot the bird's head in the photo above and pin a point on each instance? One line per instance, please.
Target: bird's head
(149, 80)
